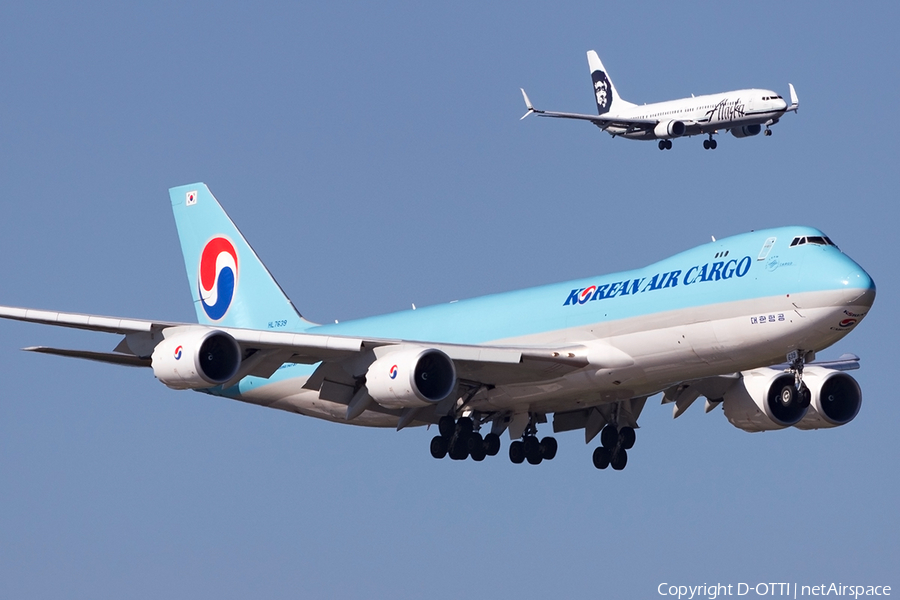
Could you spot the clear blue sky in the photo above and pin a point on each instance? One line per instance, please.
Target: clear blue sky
(374, 157)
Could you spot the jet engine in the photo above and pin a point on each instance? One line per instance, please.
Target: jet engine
(669, 129)
(194, 358)
(765, 399)
(836, 398)
(746, 130)
(411, 377)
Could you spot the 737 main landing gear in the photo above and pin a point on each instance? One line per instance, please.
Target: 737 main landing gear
(710, 144)
(614, 444)
(460, 440)
(665, 144)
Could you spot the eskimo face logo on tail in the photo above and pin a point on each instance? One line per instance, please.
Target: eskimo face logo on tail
(218, 277)
(602, 91)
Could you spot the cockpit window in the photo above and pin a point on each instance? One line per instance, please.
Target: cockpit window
(818, 240)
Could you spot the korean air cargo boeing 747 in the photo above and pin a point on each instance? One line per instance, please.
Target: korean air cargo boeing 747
(738, 321)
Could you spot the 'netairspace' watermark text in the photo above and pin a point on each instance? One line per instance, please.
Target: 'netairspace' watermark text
(794, 590)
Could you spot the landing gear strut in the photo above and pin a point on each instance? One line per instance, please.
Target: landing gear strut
(614, 443)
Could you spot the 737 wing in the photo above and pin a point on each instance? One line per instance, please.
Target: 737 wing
(603, 122)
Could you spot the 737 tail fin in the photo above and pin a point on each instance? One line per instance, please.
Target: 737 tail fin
(229, 284)
(605, 93)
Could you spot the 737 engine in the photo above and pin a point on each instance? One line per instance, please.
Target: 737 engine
(194, 358)
(746, 130)
(411, 377)
(669, 129)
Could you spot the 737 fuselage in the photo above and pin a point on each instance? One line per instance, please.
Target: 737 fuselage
(742, 112)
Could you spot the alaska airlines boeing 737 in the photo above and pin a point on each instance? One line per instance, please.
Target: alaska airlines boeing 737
(717, 321)
(742, 112)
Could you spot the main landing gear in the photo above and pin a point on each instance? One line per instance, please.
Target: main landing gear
(532, 450)
(665, 144)
(460, 440)
(614, 443)
(710, 144)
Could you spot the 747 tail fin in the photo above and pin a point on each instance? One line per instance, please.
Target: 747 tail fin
(230, 285)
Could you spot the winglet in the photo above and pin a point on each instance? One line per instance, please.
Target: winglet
(795, 103)
(527, 103)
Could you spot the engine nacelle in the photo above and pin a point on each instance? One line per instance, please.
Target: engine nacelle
(194, 358)
(836, 398)
(764, 399)
(746, 130)
(669, 129)
(411, 377)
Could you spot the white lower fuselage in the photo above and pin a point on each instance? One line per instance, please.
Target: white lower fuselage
(667, 348)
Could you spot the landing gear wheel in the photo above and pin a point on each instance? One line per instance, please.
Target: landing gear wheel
(517, 452)
(532, 450)
(464, 424)
(713, 144)
(447, 425)
(478, 454)
(804, 396)
(459, 449)
(548, 448)
(626, 438)
(668, 144)
(662, 144)
(492, 444)
(601, 457)
(768, 132)
(619, 459)
(609, 437)
(475, 444)
(438, 447)
(706, 144)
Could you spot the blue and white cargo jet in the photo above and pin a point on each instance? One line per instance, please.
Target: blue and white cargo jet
(742, 112)
(737, 321)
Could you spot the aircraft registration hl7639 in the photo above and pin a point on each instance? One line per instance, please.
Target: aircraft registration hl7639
(742, 112)
(737, 321)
